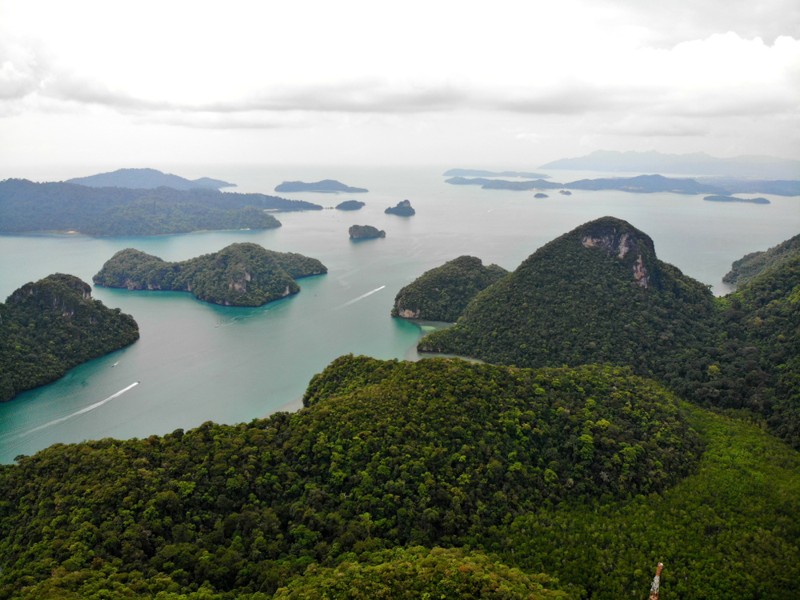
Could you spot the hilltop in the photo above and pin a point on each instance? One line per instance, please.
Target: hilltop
(241, 274)
(148, 179)
(49, 326)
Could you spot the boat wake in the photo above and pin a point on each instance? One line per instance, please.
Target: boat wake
(82, 411)
(361, 297)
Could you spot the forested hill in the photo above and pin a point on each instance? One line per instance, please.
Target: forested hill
(599, 294)
(443, 293)
(28, 207)
(754, 263)
(388, 454)
(148, 179)
(52, 325)
(595, 294)
(243, 274)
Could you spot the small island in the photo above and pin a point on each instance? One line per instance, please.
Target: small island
(443, 293)
(565, 192)
(486, 173)
(53, 325)
(402, 209)
(350, 205)
(716, 198)
(540, 195)
(242, 274)
(366, 232)
(326, 186)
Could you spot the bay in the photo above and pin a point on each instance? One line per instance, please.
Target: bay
(197, 362)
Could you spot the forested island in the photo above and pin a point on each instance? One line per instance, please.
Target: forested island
(401, 209)
(350, 205)
(441, 294)
(49, 326)
(717, 198)
(243, 274)
(642, 184)
(65, 207)
(365, 232)
(328, 186)
(147, 179)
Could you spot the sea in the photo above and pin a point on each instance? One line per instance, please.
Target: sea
(198, 362)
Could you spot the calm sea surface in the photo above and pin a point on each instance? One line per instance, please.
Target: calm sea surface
(197, 362)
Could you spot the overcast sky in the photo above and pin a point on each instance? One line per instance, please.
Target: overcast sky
(502, 83)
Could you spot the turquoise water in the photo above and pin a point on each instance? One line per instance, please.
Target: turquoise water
(197, 362)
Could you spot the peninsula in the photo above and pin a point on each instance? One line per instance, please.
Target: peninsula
(148, 179)
(242, 274)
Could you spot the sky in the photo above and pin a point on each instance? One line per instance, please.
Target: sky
(510, 84)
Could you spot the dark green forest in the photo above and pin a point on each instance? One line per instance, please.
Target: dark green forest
(443, 293)
(242, 274)
(26, 206)
(752, 264)
(52, 325)
(600, 294)
(494, 478)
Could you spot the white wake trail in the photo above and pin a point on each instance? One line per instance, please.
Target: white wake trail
(82, 411)
(361, 297)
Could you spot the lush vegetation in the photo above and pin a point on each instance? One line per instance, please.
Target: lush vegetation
(599, 294)
(52, 325)
(365, 232)
(26, 206)
(387, 454)
(241, 274)
(443, 293)
(752, 264)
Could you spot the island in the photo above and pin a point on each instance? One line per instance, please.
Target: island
(350, 205)
(147, 179)
(401, 209)
(26, 207)
(565, 192)
(443, 293)
(365, 232)
(485, 173)
(326, 186)
(243, 274)
(718, 198)
(540, 195)
(52, 325)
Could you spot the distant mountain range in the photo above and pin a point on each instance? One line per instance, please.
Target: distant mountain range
(327, 186)
(148, 179)
(699, 163)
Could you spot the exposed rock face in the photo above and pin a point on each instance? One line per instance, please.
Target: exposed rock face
(623, 242)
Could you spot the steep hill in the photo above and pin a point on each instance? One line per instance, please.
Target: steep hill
(148, 179)
(595, 294)
(443, 293)
(52, 325)
(238, 275)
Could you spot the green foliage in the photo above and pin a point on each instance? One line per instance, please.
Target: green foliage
(582, 299)
(52, 325)
(434, 453)
(443, 293)
(419, 573)
(750, 265)
(240, 274)
(111, 211)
